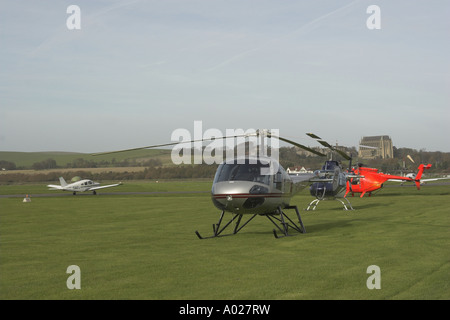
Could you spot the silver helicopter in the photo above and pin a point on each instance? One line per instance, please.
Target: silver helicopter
(242, 188)
(255, 186)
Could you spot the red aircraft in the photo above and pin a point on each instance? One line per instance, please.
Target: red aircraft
(373, 180)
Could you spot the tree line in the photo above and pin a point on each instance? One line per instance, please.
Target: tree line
(153, 168)
(149, 173)
(83, 163)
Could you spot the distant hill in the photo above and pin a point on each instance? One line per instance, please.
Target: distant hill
(25, 160)
(289, 157)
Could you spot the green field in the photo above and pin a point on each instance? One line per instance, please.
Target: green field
(144, 247)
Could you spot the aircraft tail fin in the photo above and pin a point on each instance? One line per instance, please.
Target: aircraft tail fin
(62, 181)
(419, 174)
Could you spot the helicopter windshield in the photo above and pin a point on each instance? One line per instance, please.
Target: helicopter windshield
(330, 165)
(242, 172)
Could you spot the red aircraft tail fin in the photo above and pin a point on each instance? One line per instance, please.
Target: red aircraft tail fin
(419, 174)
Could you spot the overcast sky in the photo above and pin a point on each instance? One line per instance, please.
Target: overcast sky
(138, 70)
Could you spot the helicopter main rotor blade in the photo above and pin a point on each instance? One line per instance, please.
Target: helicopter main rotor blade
(257, 133)
(329, 146)
(312, 135)
(167, 144)
(134, 149)
(343, 154)
(301, 146)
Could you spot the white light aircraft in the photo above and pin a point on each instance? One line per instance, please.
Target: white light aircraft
(413, 176)
(80, 186)
(422, 181)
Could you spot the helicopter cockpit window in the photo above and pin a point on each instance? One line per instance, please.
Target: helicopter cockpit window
(330, 165)
(242, 172)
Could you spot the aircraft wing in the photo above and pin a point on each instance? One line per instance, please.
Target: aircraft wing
(54, 187)
(401, 180)
(107, 186)
(433, 179)
(420, 181)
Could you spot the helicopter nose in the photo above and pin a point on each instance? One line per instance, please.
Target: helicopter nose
(238, 196)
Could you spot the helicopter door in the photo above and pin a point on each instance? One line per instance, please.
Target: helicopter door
(277, 180)
(282, 181)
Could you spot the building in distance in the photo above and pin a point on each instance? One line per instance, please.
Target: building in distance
(374, 147)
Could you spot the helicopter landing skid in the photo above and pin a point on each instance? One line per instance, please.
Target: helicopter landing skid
(280, 216)
(285, 225)
(315, 202)
(216, 227)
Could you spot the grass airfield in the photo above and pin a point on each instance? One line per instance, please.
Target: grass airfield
(144, 247)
